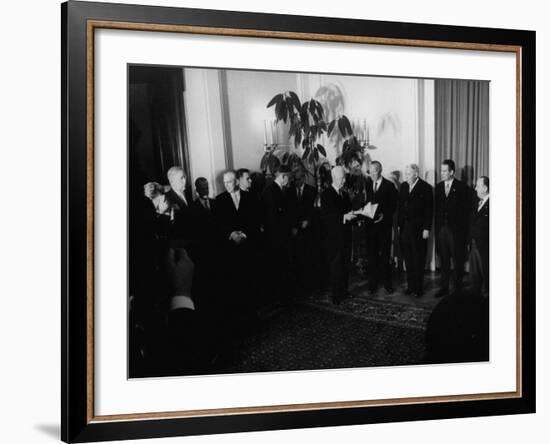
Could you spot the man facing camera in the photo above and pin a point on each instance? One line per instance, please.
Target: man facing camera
(336, 218)
(301, 201)
(380, 192)
(179, 201)
(415, 211)
(452, 207)
(237, 234)
(277, 235)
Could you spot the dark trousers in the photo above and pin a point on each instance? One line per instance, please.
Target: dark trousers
(479, 269)
(301, 259)
(338, 272)
(378, 255)
(449, 246)
(414, 252)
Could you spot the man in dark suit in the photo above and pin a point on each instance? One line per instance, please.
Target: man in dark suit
(336, 218)
(277, 234)
(202, 212)
(301, 201)
(452, 208)
(237, 234)
(479, 239)
(179, 201)
(381, 192)
(204, 234)
(415, 212)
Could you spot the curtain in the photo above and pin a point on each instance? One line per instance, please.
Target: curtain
(462, 127)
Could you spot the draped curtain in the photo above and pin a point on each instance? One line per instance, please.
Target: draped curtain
(462, 127)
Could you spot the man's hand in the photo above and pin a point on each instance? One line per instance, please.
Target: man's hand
(425, 234)
(305, 224)
(179, 271)
(348, 217)
(237, 237)
(294, 231)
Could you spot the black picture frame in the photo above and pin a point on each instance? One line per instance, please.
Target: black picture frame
(77, 424)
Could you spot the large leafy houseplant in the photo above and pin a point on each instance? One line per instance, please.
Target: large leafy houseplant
(306, 126)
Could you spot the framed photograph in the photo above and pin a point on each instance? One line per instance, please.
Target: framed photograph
(275, 221)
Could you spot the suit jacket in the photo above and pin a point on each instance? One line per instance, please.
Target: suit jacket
(228, 218)
(277, 217)
(336, 234)
(182, 223)
(203, 219)
(386, 198)
(301, 209)
(454, 209)
(416, 208)
(479, 226)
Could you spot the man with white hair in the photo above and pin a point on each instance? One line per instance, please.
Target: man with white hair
(415, 213)
(336, 218)
(179, 201)
(237, 235)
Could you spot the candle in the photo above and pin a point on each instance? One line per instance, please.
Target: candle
(265, 133)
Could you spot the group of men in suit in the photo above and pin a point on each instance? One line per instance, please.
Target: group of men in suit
(459, 222)
(268, 235)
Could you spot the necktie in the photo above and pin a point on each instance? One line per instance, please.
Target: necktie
(480, 204)
(236, 200)
(299, 194)
(206, 203)
(375, 186)
(447, 188)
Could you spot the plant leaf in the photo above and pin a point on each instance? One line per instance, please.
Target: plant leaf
(341, 127)
(295, 100)
(347, 125)
(331, 127)
(276, 99)
(321, 149)
(306, 153)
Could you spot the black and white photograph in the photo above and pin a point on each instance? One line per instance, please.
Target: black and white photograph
(288, 221)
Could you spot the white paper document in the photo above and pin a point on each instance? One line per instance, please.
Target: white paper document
(369, 210)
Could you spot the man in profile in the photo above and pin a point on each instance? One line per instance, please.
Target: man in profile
(244, 179)
(336, 218)
(479, 239)
(380, 192)
(415, 212)
(452, 209)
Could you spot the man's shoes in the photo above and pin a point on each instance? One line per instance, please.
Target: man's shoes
(388, 289)
(408, 291)
(371, 291)
(418, 295)
(442, 292)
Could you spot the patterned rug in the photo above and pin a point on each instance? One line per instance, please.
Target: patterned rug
(315, 335)
(396, 314)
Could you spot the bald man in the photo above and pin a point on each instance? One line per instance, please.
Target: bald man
(336, 219)
(415, 212)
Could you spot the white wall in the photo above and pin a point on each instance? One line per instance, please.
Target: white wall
(398, 113)
(30, 259)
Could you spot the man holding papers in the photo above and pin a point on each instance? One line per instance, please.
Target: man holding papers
(381, 202)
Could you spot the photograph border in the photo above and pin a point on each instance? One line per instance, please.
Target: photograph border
(79, 22)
